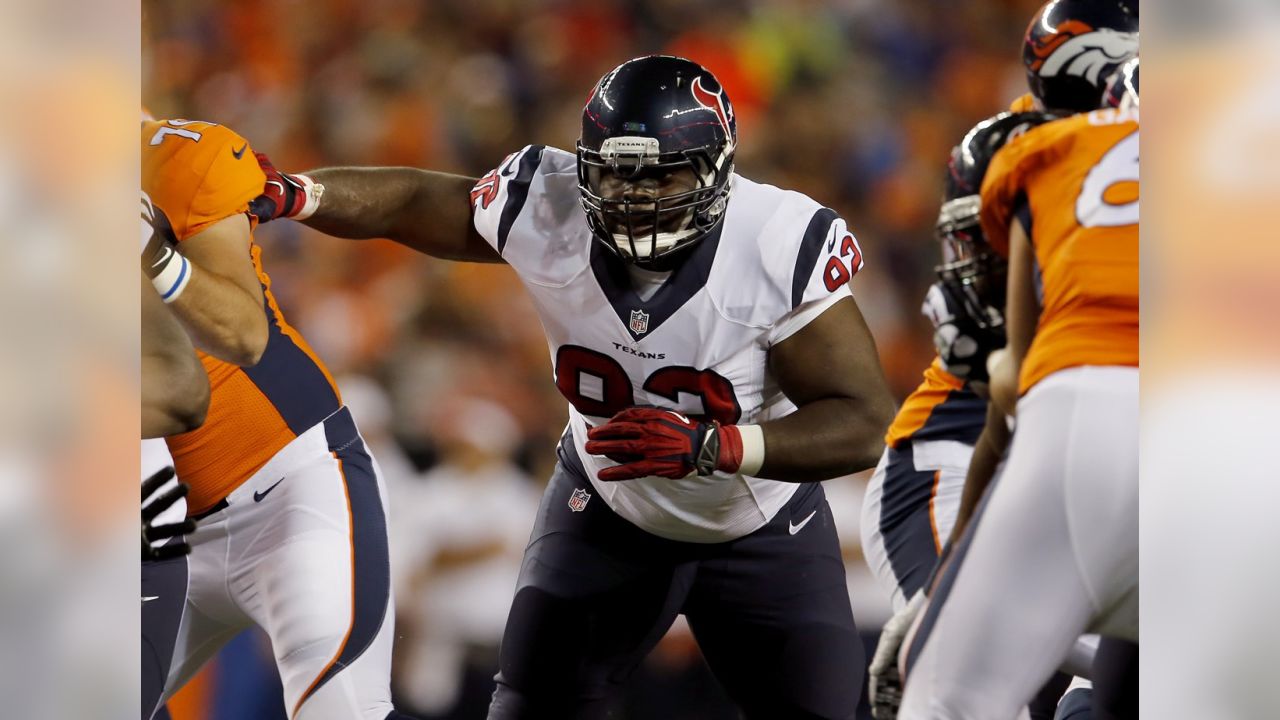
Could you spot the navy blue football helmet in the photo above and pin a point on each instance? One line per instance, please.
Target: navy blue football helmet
(656, 123)
(1071, 47)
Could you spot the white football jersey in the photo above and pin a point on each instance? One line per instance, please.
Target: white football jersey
(698, 345)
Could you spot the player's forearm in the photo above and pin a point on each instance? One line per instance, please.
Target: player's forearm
(361, 203)
(223, 320)
(424, 210)
(987, 453)
(825, 439)
(175, 395)
(1003, 368)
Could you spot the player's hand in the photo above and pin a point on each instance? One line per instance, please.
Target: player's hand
(151, 510)
(884, 679)
(284, 195)
(962, 345)
(652, 441)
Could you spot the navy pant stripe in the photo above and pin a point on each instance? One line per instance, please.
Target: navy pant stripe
(904, 520)
(165, 583)
(947, 581)
(371, 568)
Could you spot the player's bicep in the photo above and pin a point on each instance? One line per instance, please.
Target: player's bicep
(223, 249)
(445, 201)
(834, 355)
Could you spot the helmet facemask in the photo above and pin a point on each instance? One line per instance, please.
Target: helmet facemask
(619, 184)
(970, 268)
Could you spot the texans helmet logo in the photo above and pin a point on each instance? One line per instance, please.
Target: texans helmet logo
(713, 101)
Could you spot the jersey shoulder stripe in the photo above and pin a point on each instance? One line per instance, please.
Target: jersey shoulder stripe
(517, 190)
(810, 250)
(800, 251)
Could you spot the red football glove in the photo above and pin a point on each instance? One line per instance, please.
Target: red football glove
(284, 195)
(652, 441)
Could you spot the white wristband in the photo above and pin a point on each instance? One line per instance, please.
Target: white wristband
(173, 278)
(312, 191)
(752, 449)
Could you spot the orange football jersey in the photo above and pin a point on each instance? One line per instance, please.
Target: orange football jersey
(941, 408)
(199, 174)
(1074, 183)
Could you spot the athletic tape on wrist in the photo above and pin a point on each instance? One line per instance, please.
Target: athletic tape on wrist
(752, 449)
(311, 191)
(173, 278)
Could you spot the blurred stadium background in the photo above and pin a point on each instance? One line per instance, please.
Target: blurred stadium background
(854, 102)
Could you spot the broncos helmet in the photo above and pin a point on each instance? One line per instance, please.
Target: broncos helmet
(1122, 87)
(1071, 47)
(972, 275)
(647, 119)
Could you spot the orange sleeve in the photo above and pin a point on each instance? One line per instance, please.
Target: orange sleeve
(232, 179)
(199, 181)
(1004, 185)
(1000, 187)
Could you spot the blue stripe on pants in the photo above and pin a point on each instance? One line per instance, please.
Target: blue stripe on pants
(904, 520)
(371, 568)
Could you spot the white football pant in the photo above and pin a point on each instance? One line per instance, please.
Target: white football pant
(1054, 554)
(300, 549)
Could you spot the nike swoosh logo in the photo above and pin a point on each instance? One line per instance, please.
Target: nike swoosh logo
(793, 528)
(166, 251)
(240, 153)
(257, 496)
(149, 599)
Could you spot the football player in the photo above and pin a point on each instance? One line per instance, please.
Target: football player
(716, 366)
(291, 530)
(1068, 47)
(1059, 535)
(914, 498)
(913, 509)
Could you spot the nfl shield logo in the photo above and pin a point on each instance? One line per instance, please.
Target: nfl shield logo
(578, 501)
(639, 322)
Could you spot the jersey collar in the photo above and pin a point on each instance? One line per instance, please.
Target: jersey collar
(685, 281)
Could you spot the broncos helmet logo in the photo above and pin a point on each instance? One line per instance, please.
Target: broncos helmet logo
(1089, 54)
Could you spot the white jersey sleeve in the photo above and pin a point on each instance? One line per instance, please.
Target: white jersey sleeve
(500, 196)
(529, 209)
(811, 264)
(828, 258)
